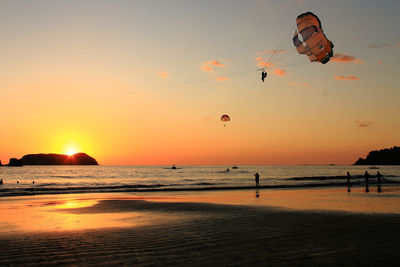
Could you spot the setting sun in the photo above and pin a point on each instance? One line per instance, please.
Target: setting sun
(71, 151)
(71, 148)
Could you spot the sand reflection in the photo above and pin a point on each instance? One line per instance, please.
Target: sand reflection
(332, 199)
(37, 215)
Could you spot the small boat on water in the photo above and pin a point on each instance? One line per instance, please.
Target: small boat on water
(235, 167)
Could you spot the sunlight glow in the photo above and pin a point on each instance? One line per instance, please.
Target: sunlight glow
(71, 152)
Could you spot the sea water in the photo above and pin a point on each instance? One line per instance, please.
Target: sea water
(29, 180)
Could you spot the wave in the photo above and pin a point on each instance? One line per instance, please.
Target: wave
(204, 183)
(6, 192)
(322, 178)
(72, 176)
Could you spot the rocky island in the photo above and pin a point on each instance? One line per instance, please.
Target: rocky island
(387, 156)
(53, 159)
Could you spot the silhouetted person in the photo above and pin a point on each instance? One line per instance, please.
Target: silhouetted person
(1, 181)
(348, 182)
(378, 180)
(17, 182)
(366, 176)
(227, 170)
(257, 178)
(263, 75)
(33, 182)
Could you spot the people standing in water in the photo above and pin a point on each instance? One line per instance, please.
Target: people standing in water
(366, 176)
(378, 180)
(348, 182)
(257, 178)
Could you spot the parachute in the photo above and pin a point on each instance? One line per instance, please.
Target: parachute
(309, 38)
(225, 118)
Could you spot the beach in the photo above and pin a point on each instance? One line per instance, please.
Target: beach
(216, 228)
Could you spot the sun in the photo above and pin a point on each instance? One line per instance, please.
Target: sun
(71, 151)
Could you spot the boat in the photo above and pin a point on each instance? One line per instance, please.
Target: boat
(235, 167)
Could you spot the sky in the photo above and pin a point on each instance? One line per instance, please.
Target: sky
(146, 82)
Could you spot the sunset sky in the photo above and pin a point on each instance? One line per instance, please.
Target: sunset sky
(146, 82)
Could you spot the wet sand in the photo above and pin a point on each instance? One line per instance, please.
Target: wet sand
(235, 228)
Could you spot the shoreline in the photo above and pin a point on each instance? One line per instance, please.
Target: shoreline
(31, 191)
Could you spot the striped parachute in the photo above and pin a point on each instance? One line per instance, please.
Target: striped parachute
(309, 38)
(225, 119)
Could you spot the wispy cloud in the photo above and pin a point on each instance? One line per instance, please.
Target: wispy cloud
(378, 45)
(398, 44)
(343, 58)
(207, 66)
(362, 124)
(222, 78)
(347, 78)
(216, 63)
(262, 63)
(162, 74)
(299, 84)
(279, 72)
(208, 118)
(380, 62)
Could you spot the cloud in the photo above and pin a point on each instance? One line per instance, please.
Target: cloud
(299, 84)
(222, 78)
(343, 58)
(216, 63)
(163, 74)
(380, 62)
(208, 118)
(348, 78)
(378, 45)
(262, 63)
(279, 72)
(300, 2)
(207, 66)
(363, 124)
(398, 44)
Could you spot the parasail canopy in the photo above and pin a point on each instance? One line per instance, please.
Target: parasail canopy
(309, 38)
(225, 118)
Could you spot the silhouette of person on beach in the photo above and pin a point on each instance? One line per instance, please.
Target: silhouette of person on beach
(1, 181)
(33, 182)
(227, 170)
(366, 176)
(378, 180)
(257, 178)
(348, 182)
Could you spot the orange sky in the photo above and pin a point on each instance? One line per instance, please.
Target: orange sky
(109, 80)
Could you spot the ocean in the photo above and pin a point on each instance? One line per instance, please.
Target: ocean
(18, 181)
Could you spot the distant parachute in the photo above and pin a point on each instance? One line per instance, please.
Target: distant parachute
(225, 118)
(309, 38)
